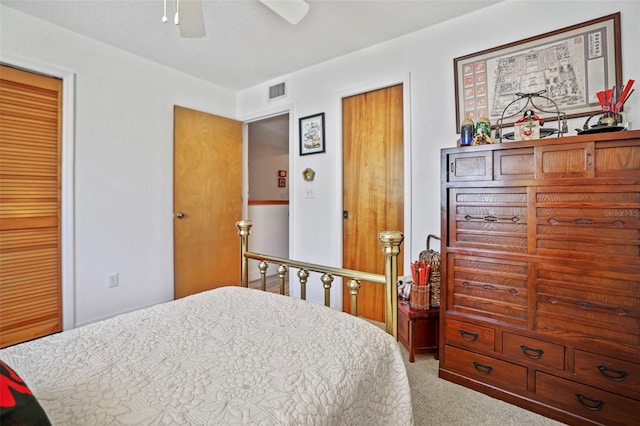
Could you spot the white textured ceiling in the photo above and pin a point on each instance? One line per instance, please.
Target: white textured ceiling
(246, 43)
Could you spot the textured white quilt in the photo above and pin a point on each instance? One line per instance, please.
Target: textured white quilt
(231, 356)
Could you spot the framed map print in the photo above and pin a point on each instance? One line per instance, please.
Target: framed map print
(571, 65)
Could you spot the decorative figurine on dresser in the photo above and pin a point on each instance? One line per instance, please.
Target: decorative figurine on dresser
(540, 277)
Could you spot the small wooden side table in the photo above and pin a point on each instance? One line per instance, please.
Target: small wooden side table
(418, 330)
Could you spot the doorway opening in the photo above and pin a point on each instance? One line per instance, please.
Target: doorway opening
(268, 183)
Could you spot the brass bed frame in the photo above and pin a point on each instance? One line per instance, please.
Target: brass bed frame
(390, 242)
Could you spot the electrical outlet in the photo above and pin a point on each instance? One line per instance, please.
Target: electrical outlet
(113, 280)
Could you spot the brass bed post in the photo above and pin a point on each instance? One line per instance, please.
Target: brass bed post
(303, 275)
(282, 273)
(327, 279)
(244, 229)
(263, 266)
(391, 241)
(354, 288)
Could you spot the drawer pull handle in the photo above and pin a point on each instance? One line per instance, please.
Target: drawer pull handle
(613, 374)
(452, 167)
(531, 352)
(492, 218)
(488, 287)
(468, 335)
(590, 403)
(482, 369)
(585, 305)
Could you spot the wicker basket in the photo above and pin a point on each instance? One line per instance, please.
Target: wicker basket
(432, 258)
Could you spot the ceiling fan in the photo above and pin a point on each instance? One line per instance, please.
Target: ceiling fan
(190, 18)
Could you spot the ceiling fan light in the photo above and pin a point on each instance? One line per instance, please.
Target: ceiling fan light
(291, 10)
(190, 18)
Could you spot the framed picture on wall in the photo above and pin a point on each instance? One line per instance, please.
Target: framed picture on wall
(282, 182)
(569, 65)
(312, 134)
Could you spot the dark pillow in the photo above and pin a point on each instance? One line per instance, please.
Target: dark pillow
(18, 406)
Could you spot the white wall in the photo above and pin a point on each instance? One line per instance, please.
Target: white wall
(269, 235)
(264, 163)
(123, 135)
(123, 161)
(428, 56)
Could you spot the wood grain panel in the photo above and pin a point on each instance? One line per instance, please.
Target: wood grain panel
(373, 187)
(564, 161)
(602, 221)
(489, 218)
(208, 190)
(490, 370)
(619, 161)
(609, 373)
(30, 292)
(599, 406)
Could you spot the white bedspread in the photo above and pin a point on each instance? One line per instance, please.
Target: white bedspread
(231, 356)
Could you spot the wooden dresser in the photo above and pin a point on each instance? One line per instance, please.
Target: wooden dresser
(540, 296)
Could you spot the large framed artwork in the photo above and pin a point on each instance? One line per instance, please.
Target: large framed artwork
(570, 65)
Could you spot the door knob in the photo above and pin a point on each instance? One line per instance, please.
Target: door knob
(180, 215)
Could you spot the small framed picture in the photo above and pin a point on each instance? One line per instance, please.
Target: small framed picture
(282, 182)
(312, 134)
(282, 173)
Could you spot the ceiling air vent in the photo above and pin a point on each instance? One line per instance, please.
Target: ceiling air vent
(277, 91)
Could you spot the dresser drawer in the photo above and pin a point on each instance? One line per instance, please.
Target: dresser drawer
(564, 161)
(470, 336)
(489, 218)
(514, 164)
(600, 305)
(533, 350)
(486, 369)
(470, 166)
(586, 401)
(613, 374)
(589, 222)
(620, 160)
(493, 287)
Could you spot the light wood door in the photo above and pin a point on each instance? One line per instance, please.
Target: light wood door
(207, 201)
(373, 189)
(30, 136)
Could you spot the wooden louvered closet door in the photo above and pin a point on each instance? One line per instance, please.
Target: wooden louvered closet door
(30, 283)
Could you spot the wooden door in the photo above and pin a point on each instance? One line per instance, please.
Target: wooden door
(207, 201)
(30, 139)
(373, 191)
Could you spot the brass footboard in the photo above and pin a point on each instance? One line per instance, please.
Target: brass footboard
(390, 241)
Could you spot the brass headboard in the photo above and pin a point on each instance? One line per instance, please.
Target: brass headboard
(390, 242)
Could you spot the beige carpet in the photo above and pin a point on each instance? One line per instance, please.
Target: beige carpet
(439, 402)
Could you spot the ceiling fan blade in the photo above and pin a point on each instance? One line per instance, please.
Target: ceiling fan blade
(291, 10)
(191, 18)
